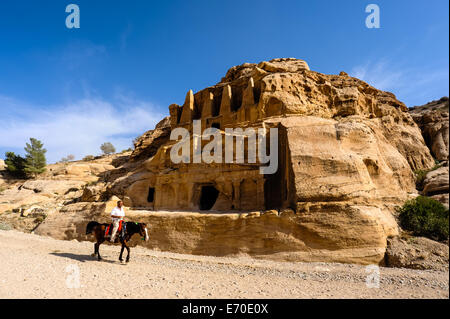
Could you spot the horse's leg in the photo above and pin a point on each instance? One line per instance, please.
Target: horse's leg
(95, 250)
(121, 252)
(98, 250)
(96, 244)
(128, 251)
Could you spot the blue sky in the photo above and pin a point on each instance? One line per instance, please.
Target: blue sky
(114, 78)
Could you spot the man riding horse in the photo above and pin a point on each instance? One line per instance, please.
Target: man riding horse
(117, 215)
(127, 230)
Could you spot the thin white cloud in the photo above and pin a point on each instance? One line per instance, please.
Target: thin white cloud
(379, 75)
(77, 128)
(414, 86)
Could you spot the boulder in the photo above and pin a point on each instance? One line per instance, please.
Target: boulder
(57, 187)
(417, 253)
(92, 193)
(436, 184)
(33, 210)
(436, 181)
(442, 198)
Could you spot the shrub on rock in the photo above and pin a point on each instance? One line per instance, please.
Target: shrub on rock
(424, 216)
(89, 158)
(107, 148)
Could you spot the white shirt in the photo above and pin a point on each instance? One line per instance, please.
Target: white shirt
(118, 212)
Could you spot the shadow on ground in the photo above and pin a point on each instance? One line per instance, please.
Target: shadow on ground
(82, 257)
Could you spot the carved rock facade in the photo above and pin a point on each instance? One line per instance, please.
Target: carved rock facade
(346, 156)
(339, 140)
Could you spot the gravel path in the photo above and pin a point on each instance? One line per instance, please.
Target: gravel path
(39, 267)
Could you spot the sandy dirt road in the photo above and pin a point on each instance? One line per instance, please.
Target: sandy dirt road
(32, 266)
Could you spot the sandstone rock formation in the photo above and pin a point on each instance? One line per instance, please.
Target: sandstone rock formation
(433, 120)
(338, 234)
(417, 253)
(2, 171)
(148, 144)
(92, 193)
(436, 184)
(325, 121)
(346, 152)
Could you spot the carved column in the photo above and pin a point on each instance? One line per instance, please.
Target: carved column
(188, 108)
(208, 106)
(225, 105)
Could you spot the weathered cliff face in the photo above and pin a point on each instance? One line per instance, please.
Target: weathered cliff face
(146, 145)
(346, 154)
(433, 121)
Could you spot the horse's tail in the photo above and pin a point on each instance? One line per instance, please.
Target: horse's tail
(90, 226)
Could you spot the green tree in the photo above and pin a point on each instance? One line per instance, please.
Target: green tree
(15, 164)
(107, 148)
(35, 160)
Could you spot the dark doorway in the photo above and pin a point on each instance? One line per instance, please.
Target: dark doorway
(151, 195)
(208, 197)
(275, 185)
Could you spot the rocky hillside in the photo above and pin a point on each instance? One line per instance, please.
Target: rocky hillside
(24, 204)
(349, 156)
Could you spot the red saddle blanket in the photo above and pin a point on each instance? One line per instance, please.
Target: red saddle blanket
(110, 228)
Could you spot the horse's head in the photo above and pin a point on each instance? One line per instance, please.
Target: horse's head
(143, 231)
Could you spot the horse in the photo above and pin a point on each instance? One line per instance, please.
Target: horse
(131, 228)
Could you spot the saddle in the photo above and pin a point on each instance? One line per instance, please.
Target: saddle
(120, 230)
